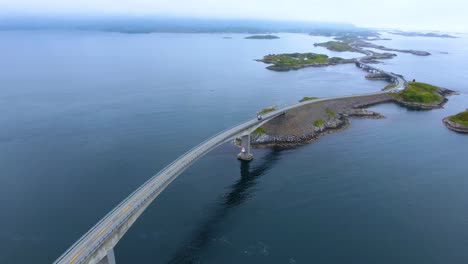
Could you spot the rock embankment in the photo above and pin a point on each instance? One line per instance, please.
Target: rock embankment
(306, 123)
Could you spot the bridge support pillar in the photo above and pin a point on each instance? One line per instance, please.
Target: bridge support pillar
(109, 258)
(245, 148)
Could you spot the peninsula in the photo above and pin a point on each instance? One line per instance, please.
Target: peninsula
(458, 122)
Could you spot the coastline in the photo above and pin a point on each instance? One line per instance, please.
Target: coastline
(458, 122)
(454, 126)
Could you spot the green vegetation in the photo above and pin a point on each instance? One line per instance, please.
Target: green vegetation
(267, 110)
(389, 86)
(335, 46)
(330, 112)
(417, 92)
(295, 59)
(259, 131)
(319, 123)
(290, 61)
(263, 37)
(307, 98)
(460, 118)
(336, 60)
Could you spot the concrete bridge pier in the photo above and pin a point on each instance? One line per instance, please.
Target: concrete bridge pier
(109, 258)
(245, 148)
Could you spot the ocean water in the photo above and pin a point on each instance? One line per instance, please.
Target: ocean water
(87, 117)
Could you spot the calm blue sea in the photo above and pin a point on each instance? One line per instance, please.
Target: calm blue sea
(87, 117)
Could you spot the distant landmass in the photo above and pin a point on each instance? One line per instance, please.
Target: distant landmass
(263, 37)
(419, 34)
(140, 24)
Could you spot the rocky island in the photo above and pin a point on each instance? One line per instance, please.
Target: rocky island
(422, 96)
(339, 46)
(263, 37)
(458, 122)
(294, 61)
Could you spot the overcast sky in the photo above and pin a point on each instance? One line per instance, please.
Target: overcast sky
(448, 15)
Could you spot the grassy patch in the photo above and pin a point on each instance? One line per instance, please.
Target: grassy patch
(259, 131)
(330, 112)
(417, 92)
(335, 46)
(267, 110)
(307, 98)
(319, 123)
(461, 118)
(389, 86)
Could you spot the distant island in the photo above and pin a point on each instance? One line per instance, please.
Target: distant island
(419, 34)
(458, 122)
(294, 61)
(354, 44)
(418, 95)
(263, 37)
(336, 46)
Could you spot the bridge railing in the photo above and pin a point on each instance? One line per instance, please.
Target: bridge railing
(132, 195)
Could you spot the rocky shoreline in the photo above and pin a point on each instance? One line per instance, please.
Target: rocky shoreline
(457, 127)
(454, 126)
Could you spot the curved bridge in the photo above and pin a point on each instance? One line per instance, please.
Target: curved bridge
(96, 246)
